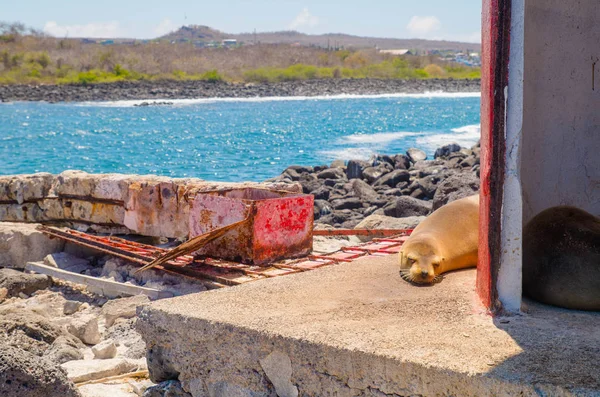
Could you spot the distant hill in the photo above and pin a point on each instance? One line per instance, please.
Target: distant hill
(207, 34)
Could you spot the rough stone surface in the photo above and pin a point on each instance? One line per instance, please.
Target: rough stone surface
(416, 155)
(278, 368)
(63, 349)
(85, 327)
(393, 178)
(170, 388)
(17, 282)
(355, 168)
(455, 187)
(21, 243)
(358, 329)
(85, 370)
(25, 375)
(122, 308)
(105, 349)
(408, 206)
(65, 261)
(28, 330)
(108, 390)
(377, 221)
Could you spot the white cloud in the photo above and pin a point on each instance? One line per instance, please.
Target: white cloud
(94, 29)
(164, 27)
(305, 18)
(423, 26)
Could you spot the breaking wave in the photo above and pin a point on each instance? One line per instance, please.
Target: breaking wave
(465, 136)
(187, 102)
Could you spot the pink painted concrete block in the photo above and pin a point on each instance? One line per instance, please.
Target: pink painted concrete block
(280, 224)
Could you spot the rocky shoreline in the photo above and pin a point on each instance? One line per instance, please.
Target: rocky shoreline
(172, 89)
(387, 191)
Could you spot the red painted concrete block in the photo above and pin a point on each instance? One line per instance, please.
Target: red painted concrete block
(280, 224)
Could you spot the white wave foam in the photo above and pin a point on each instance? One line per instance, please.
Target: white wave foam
(383, 137)
(349, 153)
(465, 136)
(187, 102)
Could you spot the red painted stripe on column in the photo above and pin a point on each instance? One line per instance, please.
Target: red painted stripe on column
(495, 51)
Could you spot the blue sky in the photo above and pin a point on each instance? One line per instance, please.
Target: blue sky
(430, 19)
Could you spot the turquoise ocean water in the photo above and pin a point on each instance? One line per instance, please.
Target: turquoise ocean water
(228, 139)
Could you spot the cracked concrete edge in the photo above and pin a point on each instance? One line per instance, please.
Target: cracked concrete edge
(208, 353)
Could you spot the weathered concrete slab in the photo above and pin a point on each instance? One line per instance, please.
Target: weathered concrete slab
(357, 329)
(112, 203)
(85, 370)
(21, 243)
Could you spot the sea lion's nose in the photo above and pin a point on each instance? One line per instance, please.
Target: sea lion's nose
(424, 274)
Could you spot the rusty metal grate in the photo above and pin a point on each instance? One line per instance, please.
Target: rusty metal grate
(217, 273)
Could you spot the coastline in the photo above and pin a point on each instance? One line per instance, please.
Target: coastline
(172, 89)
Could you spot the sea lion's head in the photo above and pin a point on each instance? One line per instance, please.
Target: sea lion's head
(420, 264)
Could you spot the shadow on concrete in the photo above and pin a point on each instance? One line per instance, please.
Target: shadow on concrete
(560, 347)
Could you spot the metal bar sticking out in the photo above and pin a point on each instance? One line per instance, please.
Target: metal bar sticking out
(217, 273)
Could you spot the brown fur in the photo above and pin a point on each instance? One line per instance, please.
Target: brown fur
(561, 258)
(447, 240)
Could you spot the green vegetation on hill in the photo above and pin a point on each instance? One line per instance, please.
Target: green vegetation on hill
(28, 57)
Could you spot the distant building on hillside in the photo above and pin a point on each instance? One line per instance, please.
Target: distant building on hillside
(229, 43)
(397, 52)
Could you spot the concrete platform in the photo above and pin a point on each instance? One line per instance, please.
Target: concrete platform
(357, 329)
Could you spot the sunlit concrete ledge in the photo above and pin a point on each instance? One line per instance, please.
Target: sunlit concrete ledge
(357, 329)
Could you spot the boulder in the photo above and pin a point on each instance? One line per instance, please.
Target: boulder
(65, 261)
(122, 308)
(332, 173)
(71, 307)
(393, 178)
(105, 349)
(310, 185)
(293, 174)
(428, 185)
(445, 150)
(17, 282)
(401, 162)
(336, 218)
(354, 169)
(21, 243)
(407, 206)
(30, 331)
(363, 190)
(23, 374)
(455, 187)
(323, 207)
(170, 388)
(371, 174)
(415, 155)
(63, 349)
(337, 164)
(85, 327)
(321, 193)
(300, 169)
(387, 222)
(347, 203)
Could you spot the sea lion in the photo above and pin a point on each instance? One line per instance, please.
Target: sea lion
(447, 240)
(561, 258)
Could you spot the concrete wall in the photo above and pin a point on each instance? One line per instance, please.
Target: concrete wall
(560, 159)
(112, 203)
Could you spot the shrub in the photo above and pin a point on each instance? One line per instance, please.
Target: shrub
(212, 75)
(435, 71)
(86, 78)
